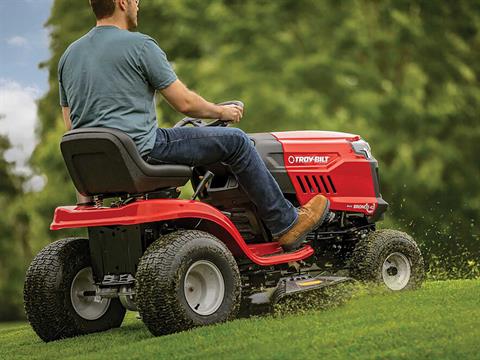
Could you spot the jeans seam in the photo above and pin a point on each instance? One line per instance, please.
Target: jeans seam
(190, 163)
(199, 137)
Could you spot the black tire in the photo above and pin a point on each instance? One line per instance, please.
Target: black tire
(370, 254)
(160, 293)
(47, 293)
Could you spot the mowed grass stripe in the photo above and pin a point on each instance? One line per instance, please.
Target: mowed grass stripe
(439, 321)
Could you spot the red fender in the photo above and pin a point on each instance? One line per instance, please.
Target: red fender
(147, 211)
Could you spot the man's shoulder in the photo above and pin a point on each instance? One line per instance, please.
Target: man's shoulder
(72, 46)
(141, 39)
(121, 39)
(134, 37)
(139, 35)
(130, 37)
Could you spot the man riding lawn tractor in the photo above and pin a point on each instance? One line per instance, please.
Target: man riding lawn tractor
(186, 263)
(108, 79)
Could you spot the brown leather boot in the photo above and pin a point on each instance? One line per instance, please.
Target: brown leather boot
(310, 215)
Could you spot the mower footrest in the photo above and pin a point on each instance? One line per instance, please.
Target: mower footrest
(272, 253)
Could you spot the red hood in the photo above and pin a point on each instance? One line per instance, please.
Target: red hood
(314, 135)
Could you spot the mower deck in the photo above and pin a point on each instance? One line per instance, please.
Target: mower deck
(295, 284)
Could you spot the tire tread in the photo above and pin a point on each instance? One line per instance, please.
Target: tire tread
(156, 282)
(367, 259)
(47, 293)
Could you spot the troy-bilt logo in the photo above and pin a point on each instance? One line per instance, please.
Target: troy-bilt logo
(308, 159)
(369, 208)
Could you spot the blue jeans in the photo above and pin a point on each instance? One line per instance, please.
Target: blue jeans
(203, 146)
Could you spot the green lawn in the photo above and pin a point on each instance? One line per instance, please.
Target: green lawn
(439, 321)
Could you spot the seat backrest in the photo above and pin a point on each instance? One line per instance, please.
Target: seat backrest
(103, 161)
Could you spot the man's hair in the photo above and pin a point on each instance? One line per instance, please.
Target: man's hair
(103, 8)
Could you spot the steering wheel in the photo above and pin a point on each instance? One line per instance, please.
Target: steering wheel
(202, 122)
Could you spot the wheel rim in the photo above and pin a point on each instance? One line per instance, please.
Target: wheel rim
(204, 287)
(396, 271)
(85, 305)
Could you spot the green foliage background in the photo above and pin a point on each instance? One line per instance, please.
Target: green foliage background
(403, 74)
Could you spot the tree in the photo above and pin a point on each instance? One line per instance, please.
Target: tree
(11, 269)
(403, 74)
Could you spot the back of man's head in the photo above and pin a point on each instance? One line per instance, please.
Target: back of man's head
(103, 8)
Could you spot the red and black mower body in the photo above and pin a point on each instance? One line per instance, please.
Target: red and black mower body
(186, 263)
(104, 163)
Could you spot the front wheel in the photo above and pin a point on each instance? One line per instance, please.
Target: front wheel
(59, 293)
(187, 279)
(388, 257)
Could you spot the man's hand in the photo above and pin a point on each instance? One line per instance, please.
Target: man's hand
(231, 113)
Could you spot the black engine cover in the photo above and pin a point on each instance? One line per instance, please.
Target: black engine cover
(271, 151)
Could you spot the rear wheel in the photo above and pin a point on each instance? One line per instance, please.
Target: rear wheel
(187, 279)
(59, 293)
(388, 257)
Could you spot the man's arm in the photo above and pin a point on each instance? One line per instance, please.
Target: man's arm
(191, 104)
(66, 118)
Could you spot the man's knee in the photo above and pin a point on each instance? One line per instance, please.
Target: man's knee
(239, 136)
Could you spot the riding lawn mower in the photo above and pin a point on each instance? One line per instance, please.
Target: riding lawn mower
(186, 263)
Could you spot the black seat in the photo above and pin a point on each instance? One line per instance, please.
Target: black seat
(106, 162)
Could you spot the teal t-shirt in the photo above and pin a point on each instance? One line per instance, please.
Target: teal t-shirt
(108, 78)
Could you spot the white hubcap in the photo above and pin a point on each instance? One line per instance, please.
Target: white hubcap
(86, 303)
(396, 271)
(204, 287)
